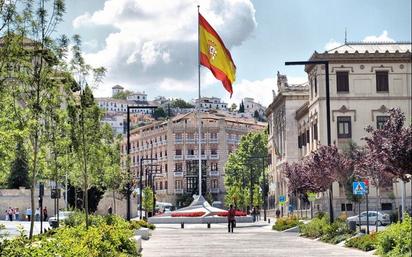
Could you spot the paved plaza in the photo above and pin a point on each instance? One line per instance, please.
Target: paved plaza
(248, 240)
(12, 227)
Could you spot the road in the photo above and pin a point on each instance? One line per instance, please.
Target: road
(256, 239)
(12, 227)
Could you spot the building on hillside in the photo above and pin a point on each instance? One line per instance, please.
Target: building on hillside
(210, 103)
(116, 109)
(283, 131)
(174, 145)
(366, 80)
(252, 109)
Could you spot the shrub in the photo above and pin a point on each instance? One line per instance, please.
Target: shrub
(136, 224)
(365, 242)
(336, 232)
(396, 240)
(286, 223)
(108, 236)
(316, 228)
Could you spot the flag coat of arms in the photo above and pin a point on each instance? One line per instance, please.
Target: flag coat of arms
(215, 56)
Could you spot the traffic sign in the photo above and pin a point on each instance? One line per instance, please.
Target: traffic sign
(359, 188)
(311, 197)
(282, 199)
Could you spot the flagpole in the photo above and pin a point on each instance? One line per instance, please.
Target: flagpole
(198, 105)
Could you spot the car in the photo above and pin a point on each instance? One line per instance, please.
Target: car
(62, 216)
(375, 217)
(217, 204)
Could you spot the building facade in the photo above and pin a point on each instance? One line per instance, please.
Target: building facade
(174, 146)
(366, 80)
(210, 103)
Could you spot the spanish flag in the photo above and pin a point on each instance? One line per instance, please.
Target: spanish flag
(215, 56)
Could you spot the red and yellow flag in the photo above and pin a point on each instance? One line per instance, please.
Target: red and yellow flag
(215, 56)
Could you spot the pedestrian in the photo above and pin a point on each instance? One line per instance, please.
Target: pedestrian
(45, 215)
(37, 214)
(17, 214)
(231, 218)
(110, 210)
(254, 214)
(277, 214)
(28, 214)
(10, 214)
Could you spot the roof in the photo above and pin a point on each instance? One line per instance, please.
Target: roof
(117, 87)
(372, 47)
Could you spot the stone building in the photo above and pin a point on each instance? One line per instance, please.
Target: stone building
(174, 145)
(366, 80)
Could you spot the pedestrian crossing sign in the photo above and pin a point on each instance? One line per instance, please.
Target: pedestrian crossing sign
(359, 188)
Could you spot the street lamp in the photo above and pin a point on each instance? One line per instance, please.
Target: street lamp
(328, 129)
(128, 186)
(141, 184)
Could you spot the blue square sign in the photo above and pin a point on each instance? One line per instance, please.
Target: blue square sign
(359, 188)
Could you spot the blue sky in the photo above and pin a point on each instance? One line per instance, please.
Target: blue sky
(151, 45)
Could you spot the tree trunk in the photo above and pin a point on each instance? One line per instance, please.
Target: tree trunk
(33, 182)
(114, 201)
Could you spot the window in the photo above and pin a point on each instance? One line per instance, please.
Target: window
(386, 206)
(315, 131)
(165, 184)
(178, 151)
(299, 142)
(213, 166)
(161, 185)
(178, 167)
(316, 86)
(382, 84)
(307, 136)
(380, 121)
(342, 81)
(213, 151)
(191, 183)
(214, 183)
(344, 127)
(190, 151)
(178, 184)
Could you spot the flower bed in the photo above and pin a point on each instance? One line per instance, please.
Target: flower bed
(286, 223)
(237, 213)
(365, 242)
(189, 214)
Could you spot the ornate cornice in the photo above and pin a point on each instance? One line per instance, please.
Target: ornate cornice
(343, 109)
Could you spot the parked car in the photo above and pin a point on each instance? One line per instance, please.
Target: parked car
(375, 217)
(62, 216)
(217, 204)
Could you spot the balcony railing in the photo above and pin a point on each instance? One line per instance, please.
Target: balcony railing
(178, 173)
(214, 190)
(161, 191)
(179, 191)
(214, 173)
(214, 156)
(178, 157)
(179, 141)
(213, 141)
(190, 140)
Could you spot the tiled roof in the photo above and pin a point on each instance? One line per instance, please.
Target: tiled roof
(117, 87)
(372, 47)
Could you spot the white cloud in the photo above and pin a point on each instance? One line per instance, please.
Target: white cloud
(155, 42)
(260, 90)
(332, 44)
(381, 38)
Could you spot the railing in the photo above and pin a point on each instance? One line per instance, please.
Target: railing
(161, 191)
(214, 173)
(178, 157)
(214, 156)
(213, 141)
(179, 141)
(214, 190)
(178, 173)
(179, 191)
(190, 140)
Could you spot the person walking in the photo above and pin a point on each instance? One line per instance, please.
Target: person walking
(277, 214)
(45, 214)
(28, 214)
(10, 214)
(231, 218)
(17, 214)
(37, 214)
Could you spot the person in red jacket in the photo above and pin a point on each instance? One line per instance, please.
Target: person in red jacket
(231, 219)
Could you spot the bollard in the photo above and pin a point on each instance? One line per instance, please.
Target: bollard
(269, 221)
(208, 225)
(182, 225)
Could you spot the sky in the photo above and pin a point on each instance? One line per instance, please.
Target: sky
(151, 45)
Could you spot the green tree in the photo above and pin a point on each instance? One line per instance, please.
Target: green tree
(257, 196)
(19, 174)
(241, 107)
(123, 95)
(233, 107)
(147, 200)
(180, 103)
(159, 113)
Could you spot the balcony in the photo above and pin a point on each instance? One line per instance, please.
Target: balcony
(214, 156)
(195, 157)
(190, 141)
(178, 157)
(161, 191)
(213, 141)
(179, 141)
(214, 190)
(179, 191)
(178, 173)
(214, 173)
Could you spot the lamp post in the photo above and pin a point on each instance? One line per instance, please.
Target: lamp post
(128, 186)
(141, 184)
(328, 125)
